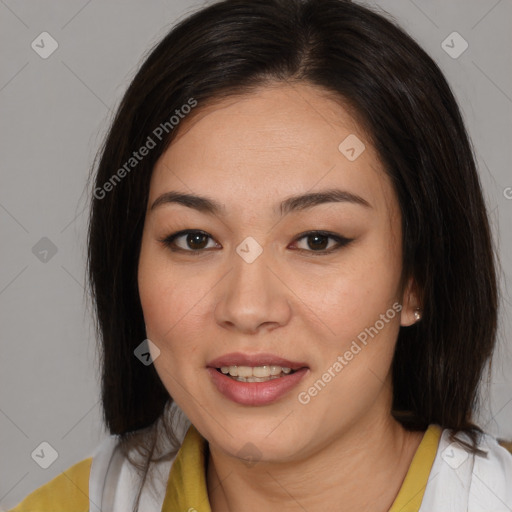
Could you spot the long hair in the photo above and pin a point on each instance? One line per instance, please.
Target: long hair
(400, 97)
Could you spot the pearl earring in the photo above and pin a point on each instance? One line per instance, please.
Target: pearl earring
(417, 314)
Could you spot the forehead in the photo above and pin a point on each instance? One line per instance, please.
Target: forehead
(259, 148)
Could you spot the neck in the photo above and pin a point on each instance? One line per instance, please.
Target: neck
(362, 469)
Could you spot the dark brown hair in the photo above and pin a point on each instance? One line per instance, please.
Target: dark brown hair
(401, 99)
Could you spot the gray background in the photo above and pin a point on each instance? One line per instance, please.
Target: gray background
(54, 113)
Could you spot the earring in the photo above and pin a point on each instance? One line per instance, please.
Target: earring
(417, 314)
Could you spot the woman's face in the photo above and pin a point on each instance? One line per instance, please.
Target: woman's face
(258, 288)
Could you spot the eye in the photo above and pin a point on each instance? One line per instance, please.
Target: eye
(318, 241)
(194, 241)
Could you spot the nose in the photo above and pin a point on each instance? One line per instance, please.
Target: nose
(253, 296)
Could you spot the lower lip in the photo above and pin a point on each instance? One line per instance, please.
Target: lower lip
(256, 393)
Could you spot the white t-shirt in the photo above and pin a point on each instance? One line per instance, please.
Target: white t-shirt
(459, 480)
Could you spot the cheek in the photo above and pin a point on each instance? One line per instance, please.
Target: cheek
(352, 295)
(168, 301)
(157, 292)
(172, 302)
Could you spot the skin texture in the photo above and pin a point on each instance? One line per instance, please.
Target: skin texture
(249, 153)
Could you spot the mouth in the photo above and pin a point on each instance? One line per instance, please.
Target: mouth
(255, 367)
(255, 379)
(256, 373)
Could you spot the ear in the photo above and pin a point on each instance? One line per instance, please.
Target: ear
(410, 304)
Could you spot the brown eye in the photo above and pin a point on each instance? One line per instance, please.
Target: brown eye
(190, 241)
(196, 240)
(318, 241)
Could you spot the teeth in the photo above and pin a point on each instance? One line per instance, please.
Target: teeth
(256, 379)
(275, 370)
(243, 371)
(258, 373)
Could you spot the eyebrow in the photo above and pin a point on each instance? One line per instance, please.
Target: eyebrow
(294, 203)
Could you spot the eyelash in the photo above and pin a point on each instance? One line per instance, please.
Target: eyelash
(169, 240)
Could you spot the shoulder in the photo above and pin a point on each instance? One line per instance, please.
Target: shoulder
(506, 444)
(492, 475)
(462, 480)
(70, 491)
(108, 480)
(67, 492)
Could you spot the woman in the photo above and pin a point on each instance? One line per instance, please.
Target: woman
(293, 274)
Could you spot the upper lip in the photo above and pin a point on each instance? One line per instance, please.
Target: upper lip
(263, 359)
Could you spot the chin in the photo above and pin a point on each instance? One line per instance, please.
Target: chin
(260, 440)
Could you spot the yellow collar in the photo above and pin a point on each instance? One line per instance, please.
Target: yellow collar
(411, 493)
(186, 487)
(187, 491)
